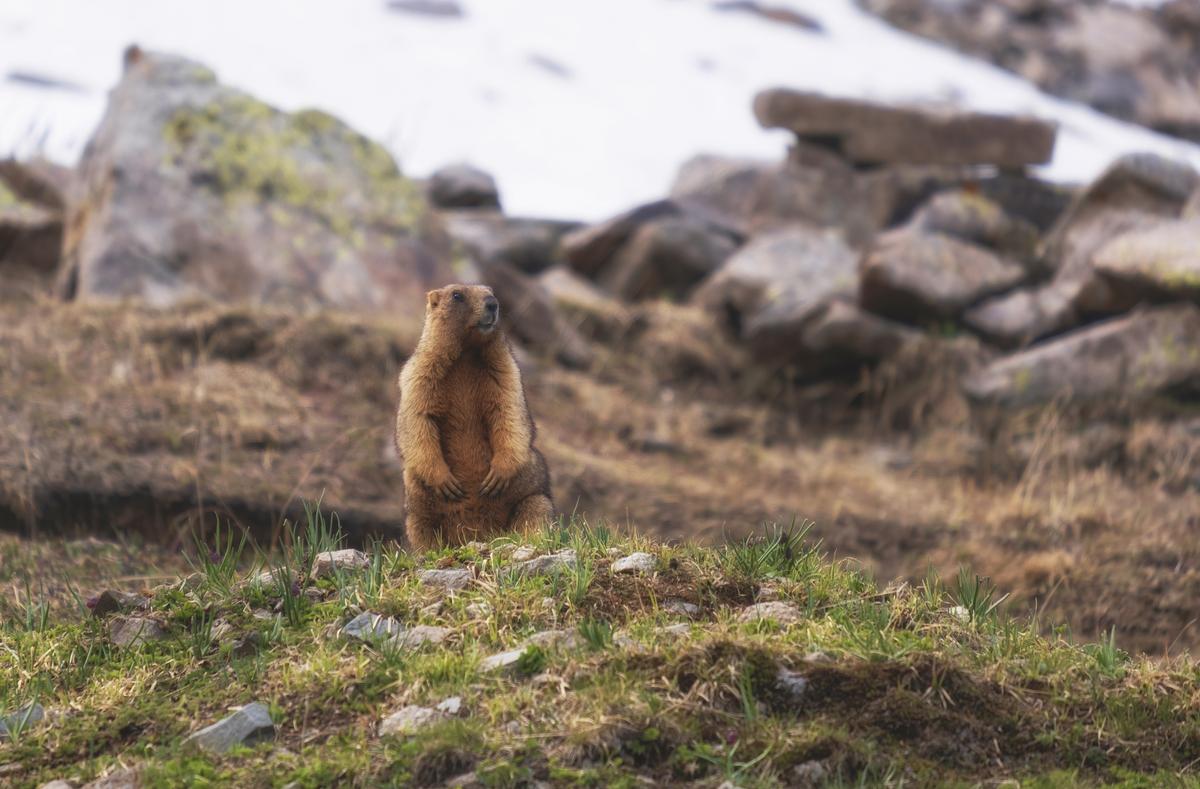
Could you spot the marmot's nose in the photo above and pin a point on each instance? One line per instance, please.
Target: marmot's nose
(491, 305)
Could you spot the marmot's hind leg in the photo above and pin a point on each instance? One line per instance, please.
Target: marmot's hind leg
(423, 532)
(531, 512)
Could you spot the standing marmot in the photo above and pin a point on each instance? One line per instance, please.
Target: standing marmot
(463, 428)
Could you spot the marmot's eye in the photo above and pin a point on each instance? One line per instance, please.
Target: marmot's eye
(457, 295)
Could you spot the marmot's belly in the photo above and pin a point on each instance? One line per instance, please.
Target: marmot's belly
(468, 453)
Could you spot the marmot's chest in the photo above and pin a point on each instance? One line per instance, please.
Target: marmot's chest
(465, 398)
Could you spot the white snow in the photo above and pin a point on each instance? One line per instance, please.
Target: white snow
(648, 83)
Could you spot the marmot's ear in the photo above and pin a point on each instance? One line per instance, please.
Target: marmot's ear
(432, 298)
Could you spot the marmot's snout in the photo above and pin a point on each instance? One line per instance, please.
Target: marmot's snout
(491, 314)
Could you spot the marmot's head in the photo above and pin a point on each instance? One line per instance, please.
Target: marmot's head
(467, 311)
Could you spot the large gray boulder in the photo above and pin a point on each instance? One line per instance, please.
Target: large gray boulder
(194, 189)
(530, 244)
(463, 186)
(1162, 259)
(868, 132)
(920, 277)
(803, 266)
(823, 337)
(1127, 358)
(1136, 191)
(969, 216)
(666, 258)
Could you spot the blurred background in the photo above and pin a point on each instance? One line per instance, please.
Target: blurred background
(922, 272)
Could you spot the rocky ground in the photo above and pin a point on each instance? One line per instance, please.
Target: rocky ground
(896, 339)
(578, 658)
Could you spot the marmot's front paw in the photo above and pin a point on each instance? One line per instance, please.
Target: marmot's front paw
(494, 483)
(449, 489)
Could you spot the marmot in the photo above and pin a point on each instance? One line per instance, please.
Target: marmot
(463, 428)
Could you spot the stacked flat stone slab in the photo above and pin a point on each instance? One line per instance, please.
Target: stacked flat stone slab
(867, 132)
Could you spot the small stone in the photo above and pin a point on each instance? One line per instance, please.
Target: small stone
(475, 546)
(639, 562)
(263, 614)
(548, 639)
(408, 720)
(513, 727)
(313, 594)
(130, 631)
(450, 579)
(960, 613)
(502, 661)
(478, 610)
(677, 629)
(810, 773)
(125, 778)
(523, 553)
(249, 725)
(58, 783)
(681, 607)
(548, 565)
(793, 683)
(372, 628)
(347, 560)
(768, 592)
(450, 706)
(464, 780)
(21, 720)
(220, 629)
(549, 604)
(614, 552)
(420, 634)
(110, 602)
(783, 613)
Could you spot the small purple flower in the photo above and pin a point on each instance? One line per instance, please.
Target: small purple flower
(731, 736)
(92, 602)
(214, 557)
(295, 588)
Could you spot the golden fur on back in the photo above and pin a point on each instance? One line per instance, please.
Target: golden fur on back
(463, 428)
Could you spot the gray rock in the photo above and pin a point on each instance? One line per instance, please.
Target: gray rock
(249, 725)
(779, 611)
(918, 277)
(463, 186)
(121, 778)
(638, 562)
(131, 631)
(21, 720)
(451, 579)
(666, 258)
(677, 629)
(111, 601)
(372, 628)
(450, 706)
(791, 682)
(1161, 260)
(547, 565)
(346, 560)
(810, 773)
(1025, 314)
(550, 639)
(1127, 358)
(804, 267)
(523, 553)
(502, 661)
(191, 189)
(868, 132)
(681, 607)
(822, 338)
(58, 783)
(531, 245)
(407, 720)
(969, 216)
(418, 635)
(594, 313)
(589, 249)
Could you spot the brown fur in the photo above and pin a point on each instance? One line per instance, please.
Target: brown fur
(464, 431)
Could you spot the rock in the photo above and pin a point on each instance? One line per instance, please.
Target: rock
(523, 553)
(30, 237)
(530, 245)
(791, 682)
(550, 639)
(372, 628)
(588, 249)
(1126, 358)
(681, 607)
(638, 562)
(57, 784)
(822, 338)
(248, 726)
(450, 706)
(447, 9)
(666, 258)
(111, 601)
(463, 186)
(781, 612)
(347, 560)
(407, 720)
(502, 662)
(1022, 316)
(871, 133)
(122, 778)
(21, 720)
(813, 188)
(131, 631)
(418, 635)
(594, 313)
(810, 773)
(38, 181)
(528, 314)
(247, 645)
(451, 579)
(804, 266)
(968, 216)
(192, 189)
(1161, 260)
(918, 277)
(677, 629)
(547, 565)
(478, 610)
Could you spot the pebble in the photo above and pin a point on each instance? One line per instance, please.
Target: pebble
(450, 579)
(329, 562)
(783, 613)
(639, 562)
(130, 631)
(407, 720)
(249, 725)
